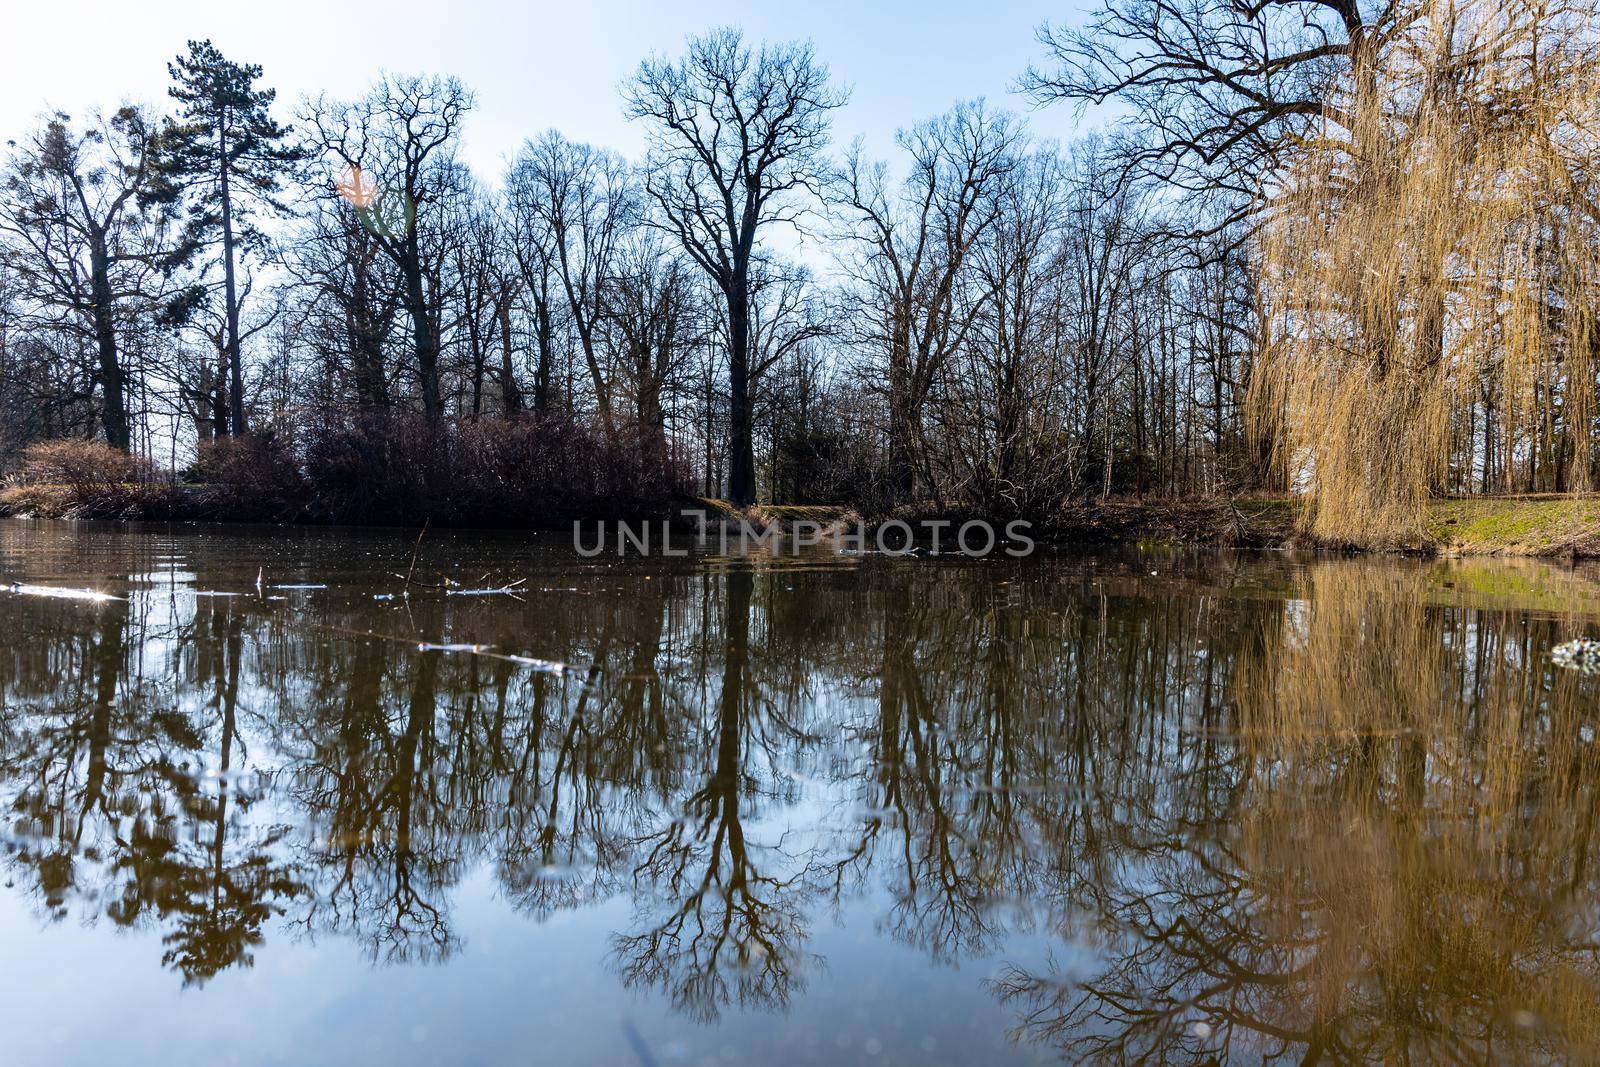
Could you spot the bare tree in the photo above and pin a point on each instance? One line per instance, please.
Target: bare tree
(735, 135)
(474, 279)
(83, 240)
(788, 319)
(351, 296)
(390, 154)
(657, 318)
(584, 200)
(1015, 459)
(1099, 257)
(913, 247)
(1220, 90)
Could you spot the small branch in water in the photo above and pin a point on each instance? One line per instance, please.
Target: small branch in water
(511, 588)
(547, 666)
(452, 587)
(415, 548)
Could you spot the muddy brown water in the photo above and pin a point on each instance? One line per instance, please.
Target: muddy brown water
(261, 809)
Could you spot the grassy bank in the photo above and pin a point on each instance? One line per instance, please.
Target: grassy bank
(1517, 526)
(1549, 526)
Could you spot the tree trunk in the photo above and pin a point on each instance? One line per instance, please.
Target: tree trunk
(236, 421)
(511, 395)
(113, 383)
(711, 481)
(602, 394)
(217, 396)
(541, 378)
(475, 345)
(741, 442)
(366, 344)
(900, 478)
(652, 416)
(422, 336)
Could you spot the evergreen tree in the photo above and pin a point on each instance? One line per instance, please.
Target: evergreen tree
(227, 150)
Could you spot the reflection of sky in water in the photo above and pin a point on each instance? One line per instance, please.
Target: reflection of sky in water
(962, 800)
(518, 989)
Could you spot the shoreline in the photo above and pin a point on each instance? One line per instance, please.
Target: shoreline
(1547, 526)
(1536, 526)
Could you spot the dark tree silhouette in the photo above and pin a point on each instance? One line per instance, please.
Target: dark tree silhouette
(736, 135)
(391, 158)
(225, 147)
(82, 213)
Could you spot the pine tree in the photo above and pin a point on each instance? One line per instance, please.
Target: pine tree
(229, 153)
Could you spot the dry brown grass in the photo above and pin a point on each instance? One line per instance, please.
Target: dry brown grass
(85, 479)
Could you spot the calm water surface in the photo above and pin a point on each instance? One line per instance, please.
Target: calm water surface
(840, 810)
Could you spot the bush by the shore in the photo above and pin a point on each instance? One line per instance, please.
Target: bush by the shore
(369, 468)
(533, 471)
(254, 477)
(85, 479)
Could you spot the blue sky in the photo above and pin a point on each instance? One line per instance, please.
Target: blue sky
(532, 65)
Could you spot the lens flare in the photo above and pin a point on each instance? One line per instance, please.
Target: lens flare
(356, 188)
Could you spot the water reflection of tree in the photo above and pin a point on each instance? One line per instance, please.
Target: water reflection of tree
(1404, 848)
(382, 841)
(1276, 814)
(217, 909)
(106, 769)
(733, 917)
(542, 775)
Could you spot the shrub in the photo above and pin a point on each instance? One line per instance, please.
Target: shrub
(87, 479)
(830, 466)
(536, 470)
(547, 470)
(378, 467)
(250, 477)
(80, 465)
(373, 467)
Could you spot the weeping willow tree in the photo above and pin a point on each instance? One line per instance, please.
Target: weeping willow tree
(1430, 266)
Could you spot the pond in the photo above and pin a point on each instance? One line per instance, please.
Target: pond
(273, 805)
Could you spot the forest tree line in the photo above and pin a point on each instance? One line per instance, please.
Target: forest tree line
(1331, 245)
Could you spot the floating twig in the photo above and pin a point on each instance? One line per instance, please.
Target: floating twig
(548, 666)
(511, 588)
